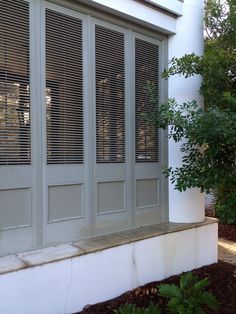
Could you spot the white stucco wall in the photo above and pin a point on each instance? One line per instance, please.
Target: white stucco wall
(187, 206)
(67, 286)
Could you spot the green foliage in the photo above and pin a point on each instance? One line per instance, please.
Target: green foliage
(190, 297)
(220, 22)
(218, 65)
(133, 309)
(218, 70)
(225, 206)
(208, 136)
(208, 144)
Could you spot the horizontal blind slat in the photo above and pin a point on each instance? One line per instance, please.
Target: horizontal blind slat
(64, 94)
(146, 69)
(15, 140)
(110, 95)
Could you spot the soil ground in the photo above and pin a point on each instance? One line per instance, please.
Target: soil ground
(222, 277)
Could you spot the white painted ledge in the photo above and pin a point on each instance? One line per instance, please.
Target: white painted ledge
(64, 279)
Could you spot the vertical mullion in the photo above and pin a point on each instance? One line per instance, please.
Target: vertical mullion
(37, 99)
(130, 124)
(89, 151)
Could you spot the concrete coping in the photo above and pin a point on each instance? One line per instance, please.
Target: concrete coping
(42, 256)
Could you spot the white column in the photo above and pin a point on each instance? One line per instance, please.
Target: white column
(186, 206)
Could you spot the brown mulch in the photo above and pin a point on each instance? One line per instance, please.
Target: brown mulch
(222, 277)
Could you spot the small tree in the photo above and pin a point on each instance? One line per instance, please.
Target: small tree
(209, 146)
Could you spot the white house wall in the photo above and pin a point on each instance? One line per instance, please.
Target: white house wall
(175, 7)
(67, 286)
(140, 12)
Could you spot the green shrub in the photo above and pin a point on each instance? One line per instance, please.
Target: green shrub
(133, 309)
(208, 146)
(190, 297)
(225, 207)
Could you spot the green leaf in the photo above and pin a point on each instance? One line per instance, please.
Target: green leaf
(170, 291)
(187, 280)
(201, 284)
(209, 300)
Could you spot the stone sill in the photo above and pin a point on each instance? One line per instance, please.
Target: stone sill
(38, 257)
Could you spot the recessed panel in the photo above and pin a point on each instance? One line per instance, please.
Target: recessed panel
(110, 196)
(15, 208)
(65, 202)
(146, 193)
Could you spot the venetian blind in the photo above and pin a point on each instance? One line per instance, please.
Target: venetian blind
(146, 69)
(14, 83)
(64, 89)
(110, 95)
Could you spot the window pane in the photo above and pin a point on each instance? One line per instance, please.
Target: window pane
(110, 96)
(146, 69)
(14, 83)
(64, 89)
